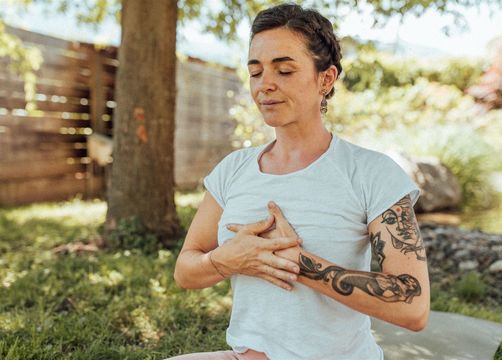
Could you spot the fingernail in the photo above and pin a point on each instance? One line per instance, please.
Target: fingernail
(292, 277)
(296, 270)
(271, 204)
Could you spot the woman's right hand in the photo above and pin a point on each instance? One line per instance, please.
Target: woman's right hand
(252, 255)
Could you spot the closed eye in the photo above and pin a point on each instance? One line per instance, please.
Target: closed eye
(280, 72)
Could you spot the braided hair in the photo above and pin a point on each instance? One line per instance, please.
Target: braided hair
(316, 30)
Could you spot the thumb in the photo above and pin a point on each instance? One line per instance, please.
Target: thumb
(276, 211)
(260, 226)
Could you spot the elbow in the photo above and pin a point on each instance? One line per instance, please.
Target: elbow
(178, 278)
(183, 281)
(419, 321)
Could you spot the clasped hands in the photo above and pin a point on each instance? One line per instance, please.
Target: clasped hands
(261, 251)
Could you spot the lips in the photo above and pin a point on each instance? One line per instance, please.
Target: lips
(270, 102)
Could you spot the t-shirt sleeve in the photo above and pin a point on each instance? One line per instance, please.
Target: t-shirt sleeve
(385, 184)
(216, 182)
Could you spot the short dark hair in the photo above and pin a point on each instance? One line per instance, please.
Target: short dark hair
(317, 31)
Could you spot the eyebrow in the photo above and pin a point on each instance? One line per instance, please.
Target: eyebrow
(275, 60)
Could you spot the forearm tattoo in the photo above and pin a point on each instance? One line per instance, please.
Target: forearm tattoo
(402, 226)
(386, 287)
(377, 245)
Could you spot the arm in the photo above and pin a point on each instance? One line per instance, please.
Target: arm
(399, 294)
(194, 269)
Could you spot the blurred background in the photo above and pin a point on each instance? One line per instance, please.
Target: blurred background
(79, 264)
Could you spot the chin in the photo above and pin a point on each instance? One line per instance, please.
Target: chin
(274, 120)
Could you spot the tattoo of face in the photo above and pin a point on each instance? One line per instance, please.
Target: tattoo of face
(386, 287)
(377, 245)
(403, 228)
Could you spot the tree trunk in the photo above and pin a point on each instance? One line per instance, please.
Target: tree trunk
(142, 176)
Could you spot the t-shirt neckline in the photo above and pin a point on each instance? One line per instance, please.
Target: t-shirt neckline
(334, 140)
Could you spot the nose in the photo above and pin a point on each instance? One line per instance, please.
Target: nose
(266, 81)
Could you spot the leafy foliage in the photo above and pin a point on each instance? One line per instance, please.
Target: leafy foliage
(377, 71)
(23, 61)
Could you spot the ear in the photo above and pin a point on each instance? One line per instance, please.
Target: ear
(328, 77)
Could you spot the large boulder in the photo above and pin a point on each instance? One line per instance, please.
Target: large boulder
(440, 189)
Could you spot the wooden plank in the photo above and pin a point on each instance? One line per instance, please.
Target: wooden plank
(14, 193)
(108, 51)
(39, 153)
(97, 99)
(17, 102)
(54, 57)
(39, 39)
(9, 84)
(69, 75)
(30, 169)
(39, 124)
(35, 138)
(50, 75)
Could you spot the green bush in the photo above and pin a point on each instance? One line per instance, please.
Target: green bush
(379, 71)
(448, 301)
(498, 353)
(470, 287)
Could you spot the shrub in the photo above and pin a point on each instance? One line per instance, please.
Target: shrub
(470, 287)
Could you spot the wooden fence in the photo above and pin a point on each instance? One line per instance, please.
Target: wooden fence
(44, 157)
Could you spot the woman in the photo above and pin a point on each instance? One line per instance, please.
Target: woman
(308, 298)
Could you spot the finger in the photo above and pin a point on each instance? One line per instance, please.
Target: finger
(272, 232)
(278, 273)
(260, 226)
(282, 263)
(282, 223)
(280, 243)
(283, 284)
(235, 227)
(265, 235)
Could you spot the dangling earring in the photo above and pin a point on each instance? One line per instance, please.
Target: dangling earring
(324, 102)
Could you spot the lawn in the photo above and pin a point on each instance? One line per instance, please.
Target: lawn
(109, 304)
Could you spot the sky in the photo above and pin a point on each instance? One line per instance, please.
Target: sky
(420, 36)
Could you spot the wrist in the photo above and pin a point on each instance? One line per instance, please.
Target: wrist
(216, 262)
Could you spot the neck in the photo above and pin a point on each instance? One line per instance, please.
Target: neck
(296, 143)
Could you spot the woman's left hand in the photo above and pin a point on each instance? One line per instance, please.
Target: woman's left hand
(282, 229)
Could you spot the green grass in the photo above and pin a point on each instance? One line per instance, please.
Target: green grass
(109, 305)
(102, 305)
(449, 301)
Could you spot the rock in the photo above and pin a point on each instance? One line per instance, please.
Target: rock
(495, 267)
(468, 265)
(440, 188)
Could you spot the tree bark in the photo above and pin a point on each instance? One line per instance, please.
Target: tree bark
(142, 175)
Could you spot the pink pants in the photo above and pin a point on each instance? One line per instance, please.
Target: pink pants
(223, 355)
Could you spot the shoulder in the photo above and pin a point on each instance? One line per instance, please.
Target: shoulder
(364, 159)
(236, 159)
(239, 156)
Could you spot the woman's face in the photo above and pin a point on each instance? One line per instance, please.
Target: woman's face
(282, 71)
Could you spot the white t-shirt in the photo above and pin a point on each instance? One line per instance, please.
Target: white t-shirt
(329, 203)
